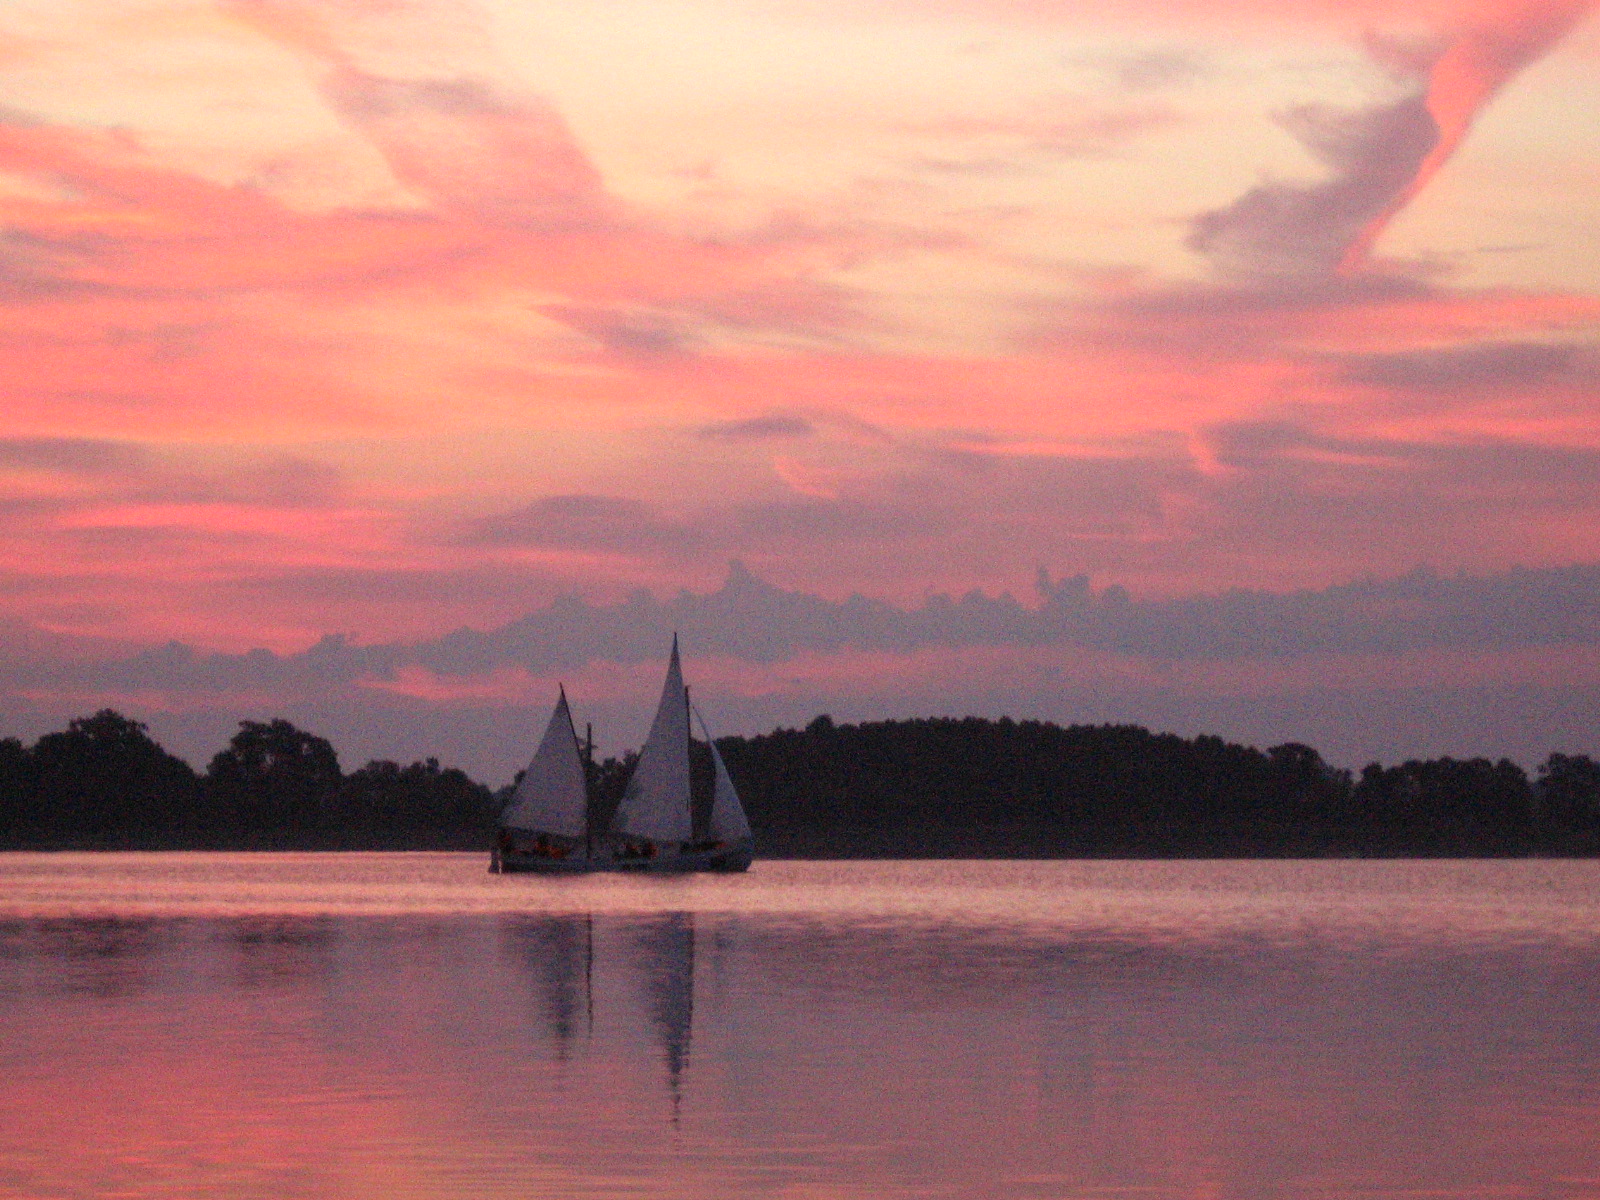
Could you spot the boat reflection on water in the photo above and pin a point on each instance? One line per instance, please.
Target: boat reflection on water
(558, 951)
(638, 974)
(1238, 1032)
(665, 962)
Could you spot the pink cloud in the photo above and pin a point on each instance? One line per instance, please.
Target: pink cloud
(1493, 42)
(531, 387)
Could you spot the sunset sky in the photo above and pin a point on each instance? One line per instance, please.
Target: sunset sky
(1220, 365)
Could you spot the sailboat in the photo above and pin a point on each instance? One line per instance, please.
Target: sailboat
(546, 827)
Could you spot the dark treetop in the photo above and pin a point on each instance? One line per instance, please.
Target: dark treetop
(923, 788)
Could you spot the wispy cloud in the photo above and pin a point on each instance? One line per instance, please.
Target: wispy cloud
(758, 429)
(1380, 158)
(1474, 367)
(608, 524)
(1280, 231)
(1479, 57)
(1085, 130)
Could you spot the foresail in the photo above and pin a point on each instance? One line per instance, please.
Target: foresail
(728, 822)
(655, 804)
(552, 796)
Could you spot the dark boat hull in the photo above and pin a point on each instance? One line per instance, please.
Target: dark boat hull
(724, 860)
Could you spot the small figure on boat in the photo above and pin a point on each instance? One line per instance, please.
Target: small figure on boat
(546, 825)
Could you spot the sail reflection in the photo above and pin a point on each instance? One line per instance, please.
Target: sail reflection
(637, 975)
(559, 953)
(666, 968)
(730, 1054)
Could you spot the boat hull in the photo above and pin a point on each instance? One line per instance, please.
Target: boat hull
(725, 860)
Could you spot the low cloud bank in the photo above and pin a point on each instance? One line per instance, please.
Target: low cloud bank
(751, 620)
(1416, 666)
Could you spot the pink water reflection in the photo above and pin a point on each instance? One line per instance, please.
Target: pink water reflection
(1293, 1042)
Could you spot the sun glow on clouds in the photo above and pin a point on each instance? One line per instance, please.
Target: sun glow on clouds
(389, 317)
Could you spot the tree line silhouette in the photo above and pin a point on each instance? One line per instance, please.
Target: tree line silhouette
(104, 782)
(974, 787)
(915, 788)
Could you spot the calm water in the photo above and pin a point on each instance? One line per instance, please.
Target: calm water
(284, 1026)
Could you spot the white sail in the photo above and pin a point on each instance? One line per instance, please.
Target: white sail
(728, 822)
(655, 804)
(552, 796)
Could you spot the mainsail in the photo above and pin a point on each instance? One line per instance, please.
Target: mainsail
(655, 804)
(728, 822)
(552, 796)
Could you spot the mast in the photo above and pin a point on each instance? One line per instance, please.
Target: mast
(583, 772)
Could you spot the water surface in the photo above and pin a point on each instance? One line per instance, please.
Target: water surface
(210, 1025)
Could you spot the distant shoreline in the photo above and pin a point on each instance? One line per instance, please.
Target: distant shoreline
(933, 789)
(843, 857)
